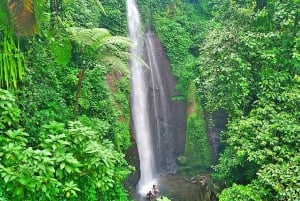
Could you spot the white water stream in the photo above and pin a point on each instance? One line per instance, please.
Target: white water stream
(139, 102)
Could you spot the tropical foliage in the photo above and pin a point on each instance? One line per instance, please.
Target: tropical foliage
(197, 155)
(106, 48)
(63, 137)
(45, 153)
(69, 163)
(247, 64)
(249, 67)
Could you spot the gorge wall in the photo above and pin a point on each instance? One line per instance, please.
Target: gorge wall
(168, 116)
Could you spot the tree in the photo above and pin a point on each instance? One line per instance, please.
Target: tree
(249, 66)
(98, 44)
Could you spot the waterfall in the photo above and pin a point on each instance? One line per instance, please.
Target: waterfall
(139, 101)
(158, 122)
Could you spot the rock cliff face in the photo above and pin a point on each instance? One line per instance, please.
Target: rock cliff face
(167, 116)
(215, 123)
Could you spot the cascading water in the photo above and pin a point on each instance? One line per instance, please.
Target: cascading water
(139, 101)
(164, 128)
(158, 122)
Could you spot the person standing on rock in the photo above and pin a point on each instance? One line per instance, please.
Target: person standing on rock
(149, 195)
(155, 190)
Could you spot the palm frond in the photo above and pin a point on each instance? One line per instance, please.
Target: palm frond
(22, 12)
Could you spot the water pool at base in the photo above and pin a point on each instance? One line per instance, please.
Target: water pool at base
(177, 188)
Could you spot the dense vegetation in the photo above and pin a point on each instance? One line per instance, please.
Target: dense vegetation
(64, 114)
(249, 66)
(247, 63)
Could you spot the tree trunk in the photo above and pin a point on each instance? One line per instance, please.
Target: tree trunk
(79, 86)
(55, 10)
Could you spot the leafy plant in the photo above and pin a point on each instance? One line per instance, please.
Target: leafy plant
(10, 114)
(64, 162)
(82, 13)
(114, 17)
(240, 193)
(163, 199)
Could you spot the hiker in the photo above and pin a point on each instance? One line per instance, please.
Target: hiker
(155, 190)
(149, 195)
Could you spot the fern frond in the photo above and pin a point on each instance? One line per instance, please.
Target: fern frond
(110, 49)
(98, 4)
(90, 37)
(117, 64)
(119, 41)
(22, 12)
(135, 58)
(61, 50)
(3, 15)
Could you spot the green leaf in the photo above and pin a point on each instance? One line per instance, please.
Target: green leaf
(68, 169)
(59, 173)
(44, 188)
